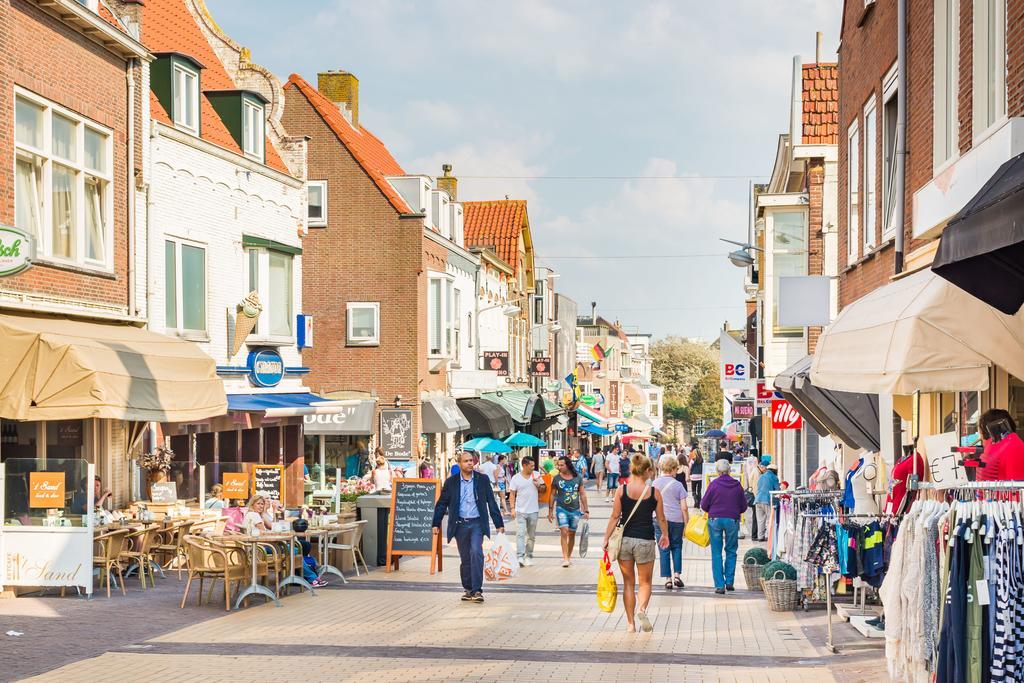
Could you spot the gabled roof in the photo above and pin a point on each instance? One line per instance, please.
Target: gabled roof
(496, 224)
(168, 26)
(368, 151)
(820, 104)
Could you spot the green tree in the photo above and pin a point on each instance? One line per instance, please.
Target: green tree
(688, 372)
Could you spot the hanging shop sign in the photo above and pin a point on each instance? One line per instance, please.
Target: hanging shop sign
(496, 361)
(266, 367)
(553, 386)
(304, 331)
(627, 409)
(247, 315)
(396, 433)
(765, 395)
(613, 397)
(742, 409)
(17, 250)
(784, 415)
(540, 366)
(735, 365)
(588, 400)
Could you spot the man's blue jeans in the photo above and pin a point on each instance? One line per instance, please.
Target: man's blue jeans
(469, 537)
(724, 537)
(673, 554)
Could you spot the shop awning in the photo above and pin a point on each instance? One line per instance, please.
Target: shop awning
(485, 418)
(919, 333)
(442, 416)
(352, 418)
(57, 368)
(289, 405)
(597, 430)
(592, 414)
(850, 417)
(982, 247)
(523, 405)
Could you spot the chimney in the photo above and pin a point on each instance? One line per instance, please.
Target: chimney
(593, 312)
(342, 88)
(817, 47)
(448, 182)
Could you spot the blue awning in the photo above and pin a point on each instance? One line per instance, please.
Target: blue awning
(289, 405)
(594, 429)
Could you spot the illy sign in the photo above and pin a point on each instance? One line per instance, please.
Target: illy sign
(784, 415)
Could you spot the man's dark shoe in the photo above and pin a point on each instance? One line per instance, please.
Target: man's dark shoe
(730, 588)
(467, 596)
(477, 597)
(720, 591)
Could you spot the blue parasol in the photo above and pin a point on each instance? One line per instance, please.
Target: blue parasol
(524, 440)
(714, 434)
(485, 444)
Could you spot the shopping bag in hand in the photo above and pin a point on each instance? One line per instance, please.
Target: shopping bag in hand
(697, 530)
(500, 562)
(583, 538)
(607, 588)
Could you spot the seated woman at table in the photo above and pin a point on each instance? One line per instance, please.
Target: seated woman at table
(215, 501)
(258, 516)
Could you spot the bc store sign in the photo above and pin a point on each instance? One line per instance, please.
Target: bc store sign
(266, 367)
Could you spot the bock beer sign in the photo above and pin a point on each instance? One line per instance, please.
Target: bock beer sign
(784, 415)
(16, 251)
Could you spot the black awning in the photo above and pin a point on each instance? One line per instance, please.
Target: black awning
(982, 247)
(442, 415)
(851, 417)
(486, 418)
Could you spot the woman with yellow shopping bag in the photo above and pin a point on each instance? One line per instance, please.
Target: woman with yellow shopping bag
(629, 538)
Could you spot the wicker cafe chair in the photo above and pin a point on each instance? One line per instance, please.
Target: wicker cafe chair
(107, 549)
(141, 553)
(355, 533)
(208, 559)
(170, 547)
(208, 527)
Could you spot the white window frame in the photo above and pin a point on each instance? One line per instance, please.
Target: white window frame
(444, 343)
(852, 189)
(456, 318)
(890, 89)
(870, 169)
(179, 308)
(179, 72)
(262, 330)
(43, 160)
(351, 339)
(989, 63)
(946, 79)
(779, 331)
(253, 130)
(322, 221)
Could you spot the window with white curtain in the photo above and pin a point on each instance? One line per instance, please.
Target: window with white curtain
(316, 203)
(789, 258)
(946, 74)
(456, 318)
(184, 286)
(852, 195)
(63, 189)
(889, 140)
(363, 323)
(252, 130)
(870, 173)
(271, 275)
(185, 98)
(440, 311)
(989, 65)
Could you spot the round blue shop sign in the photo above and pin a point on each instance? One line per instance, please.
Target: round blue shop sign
(266, 367)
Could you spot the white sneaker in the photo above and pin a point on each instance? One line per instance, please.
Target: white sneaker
(566, 563)
(522, 562)
(527, 562)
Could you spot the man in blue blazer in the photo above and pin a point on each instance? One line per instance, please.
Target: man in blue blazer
(467, 498)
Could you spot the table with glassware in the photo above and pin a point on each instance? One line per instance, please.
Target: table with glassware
(253, 541)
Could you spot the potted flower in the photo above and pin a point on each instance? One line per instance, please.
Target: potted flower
(349, 492)
(157, 464)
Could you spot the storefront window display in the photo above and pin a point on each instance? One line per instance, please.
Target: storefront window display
(330, 452)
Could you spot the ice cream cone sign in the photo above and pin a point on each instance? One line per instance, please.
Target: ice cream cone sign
(245, 319)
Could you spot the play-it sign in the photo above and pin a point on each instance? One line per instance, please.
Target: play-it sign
(17, 250)
(266, 367)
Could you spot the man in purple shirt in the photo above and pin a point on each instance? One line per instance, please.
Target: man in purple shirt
(725, 502)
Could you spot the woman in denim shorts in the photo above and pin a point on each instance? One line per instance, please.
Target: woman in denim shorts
(569, 503)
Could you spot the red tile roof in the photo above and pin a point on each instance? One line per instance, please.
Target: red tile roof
(496, 224)
(368, 151)
(167, 26)
(821, 104)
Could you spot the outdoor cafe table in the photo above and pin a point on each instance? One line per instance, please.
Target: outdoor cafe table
(324, 535)
(254, 587)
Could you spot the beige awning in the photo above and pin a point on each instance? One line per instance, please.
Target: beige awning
(919, 333)
(63, 369)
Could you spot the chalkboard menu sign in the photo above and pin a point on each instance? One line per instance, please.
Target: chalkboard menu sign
(268, 480)
(410, 530)
(163, 492)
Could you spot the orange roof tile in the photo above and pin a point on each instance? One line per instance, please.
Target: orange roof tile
(820, 104)
(368, 151)
(496, 224)
(167, 26)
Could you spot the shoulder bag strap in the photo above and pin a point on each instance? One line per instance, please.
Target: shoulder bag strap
(636, 504)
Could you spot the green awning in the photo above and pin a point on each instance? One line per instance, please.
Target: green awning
(264, 243)
(518, 401)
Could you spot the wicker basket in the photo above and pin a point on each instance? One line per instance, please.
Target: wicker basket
(781, 593)
(752, 575)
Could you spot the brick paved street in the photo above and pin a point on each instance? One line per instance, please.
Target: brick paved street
(409, 626)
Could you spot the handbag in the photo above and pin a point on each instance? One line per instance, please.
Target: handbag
(607, 588)
(697, 530)
(615, 540)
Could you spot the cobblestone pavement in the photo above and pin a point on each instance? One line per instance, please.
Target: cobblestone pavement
(543, 625)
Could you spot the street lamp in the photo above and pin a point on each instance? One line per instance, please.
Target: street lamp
(741, 258)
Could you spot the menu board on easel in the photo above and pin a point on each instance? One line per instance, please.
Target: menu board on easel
(410, 524)
(269, 481)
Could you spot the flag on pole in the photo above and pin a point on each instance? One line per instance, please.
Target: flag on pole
(597, 352)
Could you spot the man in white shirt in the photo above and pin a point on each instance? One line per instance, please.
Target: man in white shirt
(488, 468)
(525, 487)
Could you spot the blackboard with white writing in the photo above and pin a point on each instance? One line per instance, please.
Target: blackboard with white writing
(266, 479)
(412, 512)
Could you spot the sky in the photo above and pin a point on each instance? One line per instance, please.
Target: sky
(633, 129)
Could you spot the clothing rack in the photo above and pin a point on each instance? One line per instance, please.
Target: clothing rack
(918, 485)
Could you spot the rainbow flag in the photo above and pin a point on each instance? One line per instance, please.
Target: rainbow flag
(598, 353)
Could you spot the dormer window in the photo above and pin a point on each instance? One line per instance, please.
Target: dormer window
(252, 129)
(185, 93)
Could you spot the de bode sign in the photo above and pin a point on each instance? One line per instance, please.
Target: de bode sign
(16, 251)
